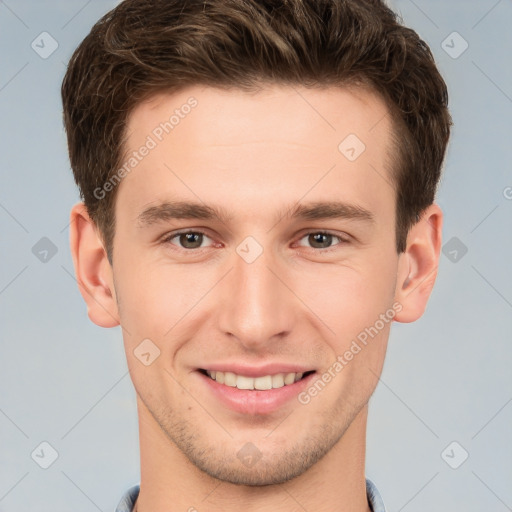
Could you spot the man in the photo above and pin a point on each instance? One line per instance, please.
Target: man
(258, 182)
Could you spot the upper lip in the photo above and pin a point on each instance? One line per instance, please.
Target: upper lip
(257, 371)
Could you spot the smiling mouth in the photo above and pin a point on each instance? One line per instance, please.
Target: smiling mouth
(263, 383)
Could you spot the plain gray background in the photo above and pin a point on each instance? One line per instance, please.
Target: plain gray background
(447, 377)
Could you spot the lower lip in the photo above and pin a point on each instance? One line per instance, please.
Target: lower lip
(248, 401)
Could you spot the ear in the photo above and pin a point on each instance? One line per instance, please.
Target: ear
(417, 268)
(92, 268)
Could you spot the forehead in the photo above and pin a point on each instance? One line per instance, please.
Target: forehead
(230, 146)
(280, 110)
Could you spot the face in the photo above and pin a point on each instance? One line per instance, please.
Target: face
(283, 263)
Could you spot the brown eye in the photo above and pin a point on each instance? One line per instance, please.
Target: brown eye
(320, 240)
(191, 240)
(187, 239)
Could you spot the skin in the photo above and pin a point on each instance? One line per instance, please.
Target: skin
(256, 154)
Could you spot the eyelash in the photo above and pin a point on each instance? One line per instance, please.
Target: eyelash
(342, 241)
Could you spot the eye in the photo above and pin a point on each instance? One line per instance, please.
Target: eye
(322, 239)
(187, 239)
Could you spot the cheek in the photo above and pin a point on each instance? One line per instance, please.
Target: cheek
(348, 299)
(154, 298)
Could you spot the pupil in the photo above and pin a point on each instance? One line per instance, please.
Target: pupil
(195, 239)
(316, 239)
(191, 238)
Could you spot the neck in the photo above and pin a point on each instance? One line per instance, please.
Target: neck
(170, 482)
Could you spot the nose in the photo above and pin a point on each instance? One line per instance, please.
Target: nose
(256, 306)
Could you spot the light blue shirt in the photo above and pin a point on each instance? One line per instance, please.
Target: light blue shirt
(374, 499)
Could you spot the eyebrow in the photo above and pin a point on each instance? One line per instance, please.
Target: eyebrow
(319, 210)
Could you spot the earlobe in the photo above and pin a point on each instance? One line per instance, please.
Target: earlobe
(92, 268)
(418, 265)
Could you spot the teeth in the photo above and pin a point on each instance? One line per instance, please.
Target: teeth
(229, 379)
(244, 382)
(289, 378)
(263, 382)
(267, 382)
(277, 380)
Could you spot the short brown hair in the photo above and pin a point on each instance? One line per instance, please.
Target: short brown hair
(143, 47)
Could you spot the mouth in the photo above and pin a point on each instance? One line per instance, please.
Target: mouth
(263, 393)
(262, 383)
